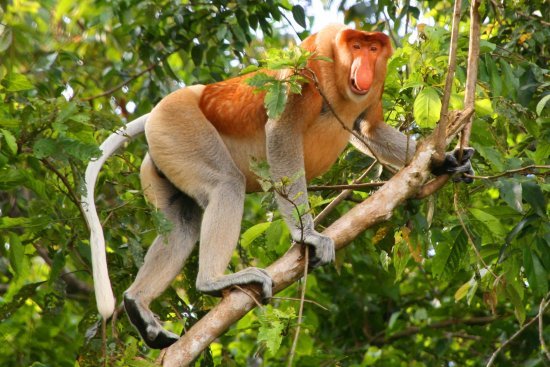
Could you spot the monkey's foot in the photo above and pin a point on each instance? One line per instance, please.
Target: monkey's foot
(146, 323)
(321, 249)
(451, 165)
(245, 276)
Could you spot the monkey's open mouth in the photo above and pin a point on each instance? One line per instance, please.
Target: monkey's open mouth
(355, 88)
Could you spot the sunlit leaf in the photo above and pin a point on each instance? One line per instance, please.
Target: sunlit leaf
(427, 107)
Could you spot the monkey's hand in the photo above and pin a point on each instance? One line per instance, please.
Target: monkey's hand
(321, 247)
(451, 165)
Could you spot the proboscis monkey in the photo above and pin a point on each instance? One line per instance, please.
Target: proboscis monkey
(201, 141)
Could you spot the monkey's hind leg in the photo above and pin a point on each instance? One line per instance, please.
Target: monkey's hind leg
(165, 258)
(191, 153)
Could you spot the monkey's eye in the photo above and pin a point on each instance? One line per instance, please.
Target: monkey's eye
(373, 48)
(356, 46)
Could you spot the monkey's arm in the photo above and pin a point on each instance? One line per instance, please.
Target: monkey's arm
(285, 156)
(396, 149)
(384, 142)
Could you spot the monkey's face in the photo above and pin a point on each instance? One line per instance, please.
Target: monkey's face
(361, 59)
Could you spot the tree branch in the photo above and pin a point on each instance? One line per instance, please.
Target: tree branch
(383, 339)
(473, 62)
(444, 116)
(543, 305)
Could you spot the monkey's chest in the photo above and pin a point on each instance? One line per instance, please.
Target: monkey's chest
(324, 141)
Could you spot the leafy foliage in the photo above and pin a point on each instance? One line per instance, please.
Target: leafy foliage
(444, 282)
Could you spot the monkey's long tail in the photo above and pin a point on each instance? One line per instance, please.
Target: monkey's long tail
(102, 285)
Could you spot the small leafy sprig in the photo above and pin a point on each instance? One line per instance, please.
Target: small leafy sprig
(289, 66)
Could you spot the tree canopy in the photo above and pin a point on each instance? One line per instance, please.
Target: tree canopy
(460, 278)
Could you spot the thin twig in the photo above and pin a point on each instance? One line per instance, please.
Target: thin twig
(510, 172)
(132, 78)
(358, 186)
(258, 304)
(342, 196)
(382, 338)
(299, 299)
(124, 83)
(471, 74)
(444, 116)
(300, 311)
(520, 330)
(542, 21)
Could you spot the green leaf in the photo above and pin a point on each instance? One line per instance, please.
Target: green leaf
(277, 237)
(271, 335)
(490, 221)
(462, 291)
(483, 107)
(16, 254)
(532, 193)
(450, 253)
(513, 233)
(17, 83)
(272, 323)
(249, 69)
(14, 222)
(44, 148)
(535, 272)
(275, 99)
(401, 255)
(196, 54)
(67, 110)
(494, 74)
(18, 300)
(515, 299)
(492, 155)
(11, 142)
(427, 108)
(299, 15)
(253, 232)
(385, 260)
(542, 104)
(6, 37)
(260, 80)
(511, 193)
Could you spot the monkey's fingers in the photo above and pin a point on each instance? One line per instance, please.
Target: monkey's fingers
(322, 247)
(452, 166)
